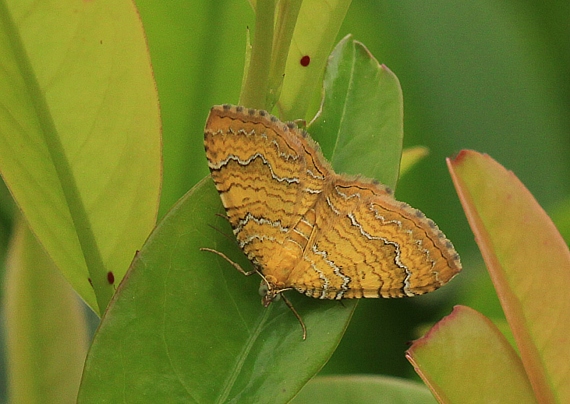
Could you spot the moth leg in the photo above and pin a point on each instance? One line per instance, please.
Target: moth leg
(234, 264)
(231, 238)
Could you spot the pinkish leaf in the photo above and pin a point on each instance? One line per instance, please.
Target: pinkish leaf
(465, 359)
(529, 264)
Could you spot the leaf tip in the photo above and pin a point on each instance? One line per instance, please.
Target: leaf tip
(435, 330)
(460, 157)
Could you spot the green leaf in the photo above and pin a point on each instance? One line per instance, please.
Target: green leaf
(314, 36)
(363, 389)
(526, 257)
(186, 318)
(46, 331)
(80, 134)
(360, 122)
(465, 359)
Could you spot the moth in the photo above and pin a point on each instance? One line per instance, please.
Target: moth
(307, 228)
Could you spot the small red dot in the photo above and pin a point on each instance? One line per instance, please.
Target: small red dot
(110, 277)
(305, 60)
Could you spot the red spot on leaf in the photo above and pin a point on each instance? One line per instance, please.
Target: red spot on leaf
(110, 277)
(305, 60)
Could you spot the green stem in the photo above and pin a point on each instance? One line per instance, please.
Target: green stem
(256, 85)
(286, 20)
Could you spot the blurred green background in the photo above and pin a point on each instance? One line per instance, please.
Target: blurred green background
(492, 76)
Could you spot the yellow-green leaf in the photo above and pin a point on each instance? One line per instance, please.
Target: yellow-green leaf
(46, 332)
(80, 134)
(314, 36)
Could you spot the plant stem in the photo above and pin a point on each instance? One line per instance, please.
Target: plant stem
(285, 26)
(256, 85)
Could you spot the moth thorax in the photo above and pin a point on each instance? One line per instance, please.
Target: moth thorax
(279, 266)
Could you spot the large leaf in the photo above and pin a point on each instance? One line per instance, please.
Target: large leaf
(466, 359)
(80, 134)
(187, 318)
(526, 257)
(190, 320)
(46, 332)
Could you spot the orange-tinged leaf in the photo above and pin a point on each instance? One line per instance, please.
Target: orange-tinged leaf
(529, 264)
(465, 359)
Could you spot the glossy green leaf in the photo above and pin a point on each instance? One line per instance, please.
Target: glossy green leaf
(80, 134)
(360, 122)
(526, 257)
(314, 36)
(465, 359)
(46, 332)
(187, 318)
(363, 389)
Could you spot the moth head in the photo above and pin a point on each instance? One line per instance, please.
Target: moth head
(268, 293)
